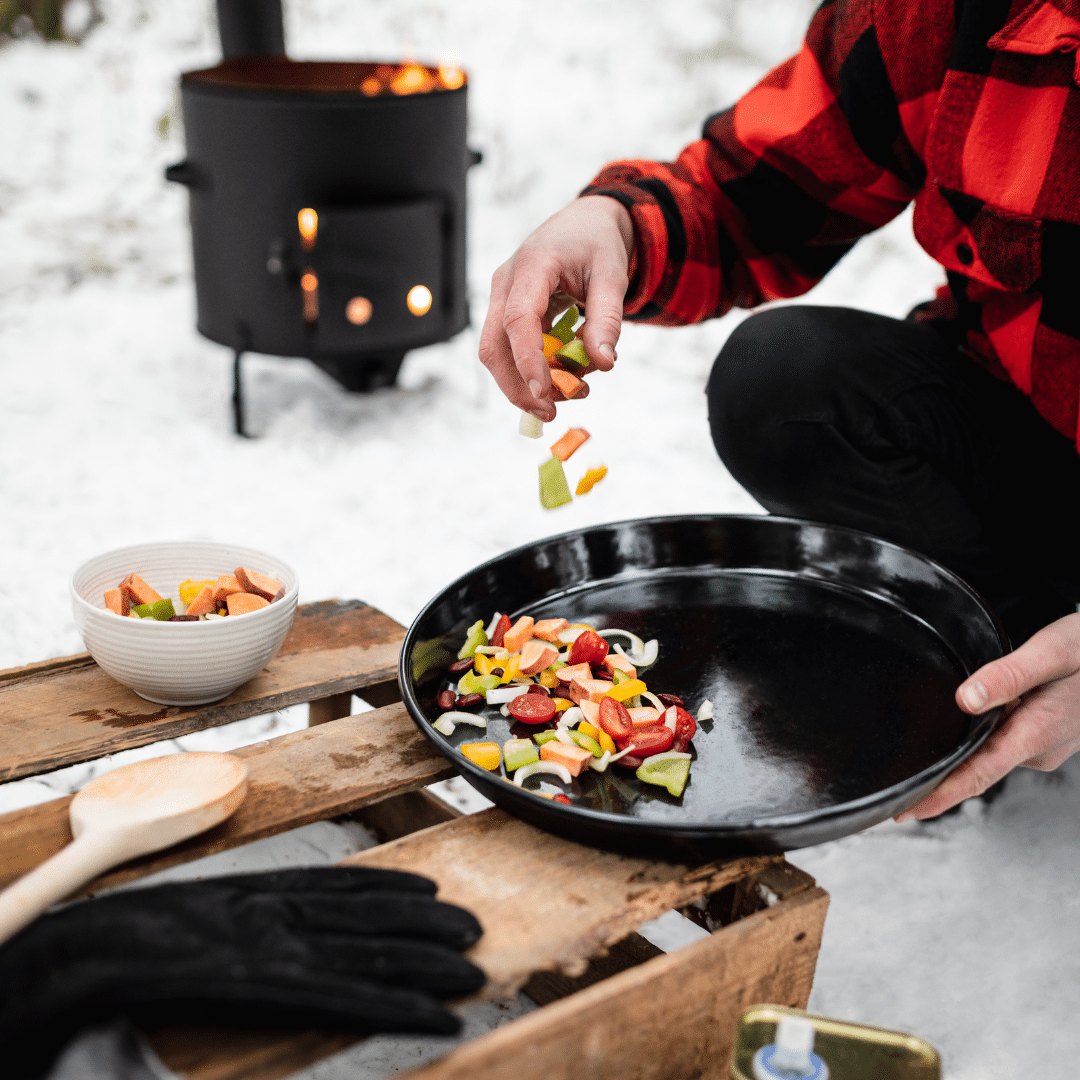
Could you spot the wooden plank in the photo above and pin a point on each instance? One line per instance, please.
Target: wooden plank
(309, 775)
(671, 1018)
(520, 882)
(330, 708)
(405, 814)
(547, 986)
(70, 711)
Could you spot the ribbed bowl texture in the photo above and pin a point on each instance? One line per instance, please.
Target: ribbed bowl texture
(181, 663)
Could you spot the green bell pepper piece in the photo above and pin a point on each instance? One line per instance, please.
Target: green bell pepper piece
(471, 683)
(564, 328)
(518, 752)
(587, 742)
(144, 611)
(162, 610)
(670, 773)
(574, 351)
(474, 638)
(619, 676)
(554, 490)
(542, 737)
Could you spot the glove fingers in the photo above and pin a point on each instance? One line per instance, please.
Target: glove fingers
(420, 966)
(309, 879)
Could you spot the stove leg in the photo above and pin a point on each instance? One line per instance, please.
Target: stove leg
(237, 397)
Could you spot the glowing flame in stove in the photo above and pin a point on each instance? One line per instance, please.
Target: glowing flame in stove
(308, 221)
(419, 300)
(412, 79)
(310, 284)
(450, 76)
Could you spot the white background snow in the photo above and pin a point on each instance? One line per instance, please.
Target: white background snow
(115, 427)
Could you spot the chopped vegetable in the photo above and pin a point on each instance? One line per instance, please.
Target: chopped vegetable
(485, 754)
(588, 648)
(554, 490)
(574, 351)
(654, 740)
(706, 710)
(446, 723)
(564, 328)
(502, 694)
(626, 690)
(590, 480)
(530, 426)
(536, 656)
(602, 737)
(549, 629)
(645, 658)
(532, 708)
(474, 636)
(554, 767)
(666, 770)
(573, 758)
(552, 345)
(471, 683)
(587, 742)
(518, 752)
(563, 448)
(190, 589)
(542, 737)
(570, 386)
(614, 719)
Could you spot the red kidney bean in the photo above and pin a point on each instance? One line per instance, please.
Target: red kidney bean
(446, 700)
(672, 699)
(183, 618)
(459, 667)
(498, 671)
(470, 701)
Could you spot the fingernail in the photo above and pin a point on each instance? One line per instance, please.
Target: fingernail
(607, 352)
(907, 815)
(973, 697)
(535, 388)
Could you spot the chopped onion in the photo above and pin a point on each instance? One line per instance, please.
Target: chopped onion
(646, 658)
(564, 736)
(571, 634)
(491, 625)
(552, 767)
(505, 710)
(570, 717)
(636, 644)
(670, 719)
(449, 719)
(530, 426)
(622, 753)
(601, 763)
(493, 650)
(657, 703)
(502, 694)
(705, 712)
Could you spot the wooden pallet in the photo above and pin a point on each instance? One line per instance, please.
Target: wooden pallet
(613, 1005)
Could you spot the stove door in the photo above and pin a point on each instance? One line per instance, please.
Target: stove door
(382, 277)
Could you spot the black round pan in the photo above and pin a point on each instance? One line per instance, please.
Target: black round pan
(831, 658)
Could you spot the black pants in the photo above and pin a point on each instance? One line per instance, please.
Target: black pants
(855, 419)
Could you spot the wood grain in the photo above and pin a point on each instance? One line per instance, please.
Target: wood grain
(310, 775)
(65, 711)
(520, 882)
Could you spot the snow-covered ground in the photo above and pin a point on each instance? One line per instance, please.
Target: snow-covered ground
(116, 428)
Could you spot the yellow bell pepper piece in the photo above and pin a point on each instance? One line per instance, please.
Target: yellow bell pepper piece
(190, 589)
(562, 704)
(602, 737)
(626, 690)
(511, 668)
(590, 480)
(552, 345)
(548, 678)
(485, 754)
(482, 664)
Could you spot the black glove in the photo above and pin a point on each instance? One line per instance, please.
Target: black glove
(342, 948)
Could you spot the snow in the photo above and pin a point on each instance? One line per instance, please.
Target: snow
(117, 428)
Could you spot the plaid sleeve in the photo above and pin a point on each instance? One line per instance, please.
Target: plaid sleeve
(822, 151)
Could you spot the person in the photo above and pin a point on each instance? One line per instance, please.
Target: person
(952, 432)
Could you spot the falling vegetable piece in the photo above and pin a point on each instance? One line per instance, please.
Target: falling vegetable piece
(669, 771)
(564, 328)
(590, 480)
(563, 448)
(485, 754)
(554, 490)
(530, 426)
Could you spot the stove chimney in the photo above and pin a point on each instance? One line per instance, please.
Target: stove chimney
(251, 28)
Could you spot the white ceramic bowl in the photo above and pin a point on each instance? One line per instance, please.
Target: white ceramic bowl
(180, 663)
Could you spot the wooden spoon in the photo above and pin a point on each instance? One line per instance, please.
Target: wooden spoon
(128, 812)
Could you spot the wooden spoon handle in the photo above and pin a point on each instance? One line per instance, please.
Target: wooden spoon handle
(81, 861)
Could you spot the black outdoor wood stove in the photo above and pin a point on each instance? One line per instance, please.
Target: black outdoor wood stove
(327, 203)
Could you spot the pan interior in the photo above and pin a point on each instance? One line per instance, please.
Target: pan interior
(821, 694)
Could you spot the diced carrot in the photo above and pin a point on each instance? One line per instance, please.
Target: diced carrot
(570, 386)
(571, 441)
(203, 603)
(518, 634)
(591, 689)
(260, 584)
(552, 345)
(571, 672)
(537, 655)
(548, 629)
(643, 717)
(139, 591)
(614, 662)
(590, 710)
(118, 601)
(241, 603)
(225, 587)
(573, 757)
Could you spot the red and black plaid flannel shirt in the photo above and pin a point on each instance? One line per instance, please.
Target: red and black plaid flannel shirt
(969, 107)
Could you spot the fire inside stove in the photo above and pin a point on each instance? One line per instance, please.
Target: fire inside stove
(327, 206)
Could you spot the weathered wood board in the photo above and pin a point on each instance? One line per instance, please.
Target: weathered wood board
(66, 711)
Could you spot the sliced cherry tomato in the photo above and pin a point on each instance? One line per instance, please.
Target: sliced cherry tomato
(588, 648)
(532, 708)
(614, 718)
(680, 746)
(685, 724)
(653, 740)
(562, 799)
(501, 627)
(536, 688)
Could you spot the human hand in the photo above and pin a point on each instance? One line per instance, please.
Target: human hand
(581, 255)
(336, 947)
(1039, 685)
